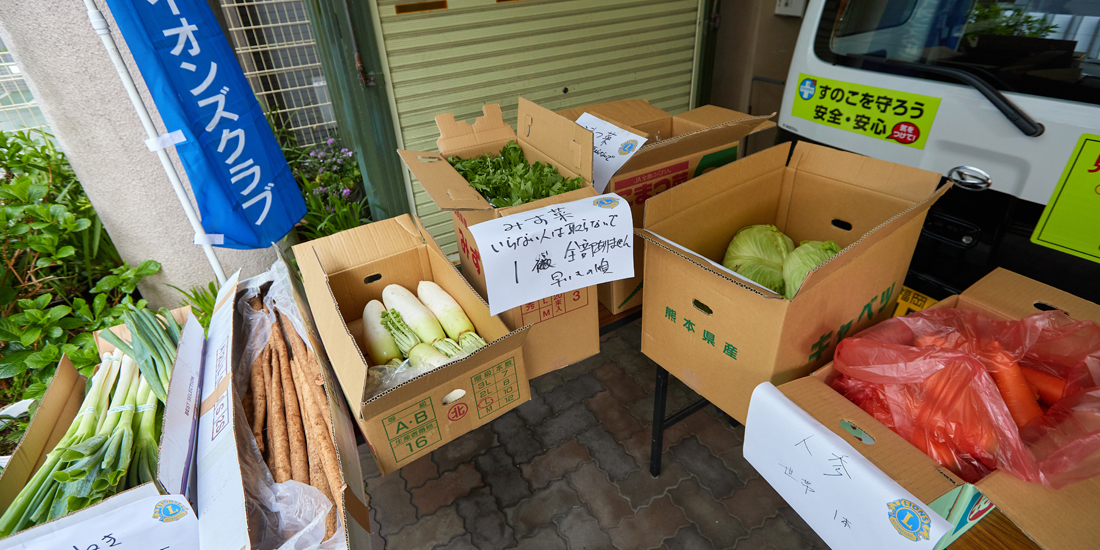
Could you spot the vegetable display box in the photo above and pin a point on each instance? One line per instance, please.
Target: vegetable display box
(544, 137)
(64, 403)
(235, 493)
(1055, 519)
(722, 334)
(341, 274)
(678, 148)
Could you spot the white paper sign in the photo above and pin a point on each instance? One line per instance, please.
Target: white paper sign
(138, 519)
(848, 502)
(611, 148)
(546, 251)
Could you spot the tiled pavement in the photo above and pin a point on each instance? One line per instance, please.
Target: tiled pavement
(570, 470)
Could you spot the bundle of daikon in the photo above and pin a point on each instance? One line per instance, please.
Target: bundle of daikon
(428, 332)
(287, 408)
(98, 456)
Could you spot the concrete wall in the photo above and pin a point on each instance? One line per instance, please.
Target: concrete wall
(86, 106)
(752, 41)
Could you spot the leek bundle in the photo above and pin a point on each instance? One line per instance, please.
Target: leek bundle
(100, 454)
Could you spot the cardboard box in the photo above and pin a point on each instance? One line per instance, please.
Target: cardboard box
(1054, 518)
(59, 407)
(722, 335)
(679, 148)
(341, 273)
(226, 445)
(545, 137)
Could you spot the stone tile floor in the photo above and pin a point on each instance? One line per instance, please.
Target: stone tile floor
(570, 470)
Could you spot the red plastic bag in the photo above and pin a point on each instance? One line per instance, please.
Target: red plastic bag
(927, 376)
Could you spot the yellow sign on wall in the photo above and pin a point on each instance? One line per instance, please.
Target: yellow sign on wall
(1071, 220)
(879, 113)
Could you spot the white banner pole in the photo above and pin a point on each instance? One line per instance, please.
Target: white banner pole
(104, 32)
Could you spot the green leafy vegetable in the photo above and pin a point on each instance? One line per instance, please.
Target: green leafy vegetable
(804, 259)
(758, 252)
(507, 180)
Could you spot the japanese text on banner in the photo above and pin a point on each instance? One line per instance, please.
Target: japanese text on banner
(242, 184)
(546, 251)
(847, 501)
(900, 117)
(611, 148)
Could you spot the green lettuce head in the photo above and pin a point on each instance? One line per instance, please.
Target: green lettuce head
(757, 252)
(804, 259)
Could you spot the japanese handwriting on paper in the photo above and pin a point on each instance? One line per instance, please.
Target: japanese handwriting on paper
(545, 251)
(806, 484)
(805, 445)
(247, 170)
(843, 520)
(788, 471)
(107, 541)
(838, 466)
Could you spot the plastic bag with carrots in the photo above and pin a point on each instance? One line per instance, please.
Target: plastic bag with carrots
(978, 395)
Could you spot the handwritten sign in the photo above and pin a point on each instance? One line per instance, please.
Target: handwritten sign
(139, 519)
(847, 501)
(611, 148)
(546, 251)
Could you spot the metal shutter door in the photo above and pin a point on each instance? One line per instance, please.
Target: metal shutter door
(475, 52)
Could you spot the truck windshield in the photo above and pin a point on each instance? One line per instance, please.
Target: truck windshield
(1048, 48)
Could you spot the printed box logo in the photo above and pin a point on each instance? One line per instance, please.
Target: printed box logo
(910, 521)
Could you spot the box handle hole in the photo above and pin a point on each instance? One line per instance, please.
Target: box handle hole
(372, 278)
(702, 307)
(857, 433)
(1043, 306)
(453, 396)
(842, 225)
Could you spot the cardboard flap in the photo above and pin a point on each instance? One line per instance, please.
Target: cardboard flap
(891, 453)
(633, 115)
(667, 150)
(701, 190)
(557, 137)
(457, 137)
(896, 180)
(448, 189)
(55, 413)
(356, 246)
(1015, 297)
(1054, 518)
(869, 239)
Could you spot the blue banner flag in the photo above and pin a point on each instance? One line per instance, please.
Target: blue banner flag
(244, 188)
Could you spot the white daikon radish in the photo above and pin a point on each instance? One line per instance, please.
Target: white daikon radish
(424, 355)
(380, 343)
(450, 316)
(413, 315)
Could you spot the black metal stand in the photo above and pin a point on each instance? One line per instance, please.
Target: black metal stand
(660, 423)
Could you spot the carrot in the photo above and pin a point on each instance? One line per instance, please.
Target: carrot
(931, 340)
(1050, 387)
(1013, 386)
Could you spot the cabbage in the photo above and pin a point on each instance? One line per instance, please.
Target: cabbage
(763, 242)
(757, 252)
(803, 260)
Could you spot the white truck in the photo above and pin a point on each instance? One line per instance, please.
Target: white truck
(995, 96)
